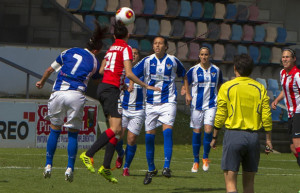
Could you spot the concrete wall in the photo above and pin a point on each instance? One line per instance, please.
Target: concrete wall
(37, 59)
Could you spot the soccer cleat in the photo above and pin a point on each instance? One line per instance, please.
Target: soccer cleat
(195, 167)
(47, 171)
(119, 162)
(88, 162)
(149, 175)
(126, 172)
(69, 175)
(166, 172)
(106, 173)
(205, 166)
(298, 160)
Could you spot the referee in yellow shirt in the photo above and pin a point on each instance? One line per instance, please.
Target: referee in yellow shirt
(243, 107)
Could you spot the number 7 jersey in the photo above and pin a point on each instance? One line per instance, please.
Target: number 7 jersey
(114, 72)
(76, 66)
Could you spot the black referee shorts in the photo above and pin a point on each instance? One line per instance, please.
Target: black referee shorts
(108, 96)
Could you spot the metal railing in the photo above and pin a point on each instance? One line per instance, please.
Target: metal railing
(28, 73)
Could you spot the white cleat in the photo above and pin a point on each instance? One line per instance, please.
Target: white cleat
(47, 171)
(69, 175)
(195, 167)
(205, 166)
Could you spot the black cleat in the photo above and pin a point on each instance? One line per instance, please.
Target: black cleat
(149, 175)
(166, 172)
(298, 160)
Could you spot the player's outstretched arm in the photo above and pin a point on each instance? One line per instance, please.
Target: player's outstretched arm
(40, 84)
(131, 76)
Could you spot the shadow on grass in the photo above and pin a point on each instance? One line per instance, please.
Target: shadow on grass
(185, 189)
(4, 181)
(160, 176)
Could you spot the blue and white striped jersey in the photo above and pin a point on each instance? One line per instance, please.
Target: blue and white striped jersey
(160, 73)
(77, 66)
(204, 89)
(133, 100)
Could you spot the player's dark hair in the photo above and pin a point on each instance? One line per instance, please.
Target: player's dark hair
(95, 42)
(165, 40)
(138, 51)
(120, 30)
(290, 50)
(243, 64)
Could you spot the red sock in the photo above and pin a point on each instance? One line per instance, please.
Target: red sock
(298, 150)
(113, 141)
(296, 155)
(110, 134)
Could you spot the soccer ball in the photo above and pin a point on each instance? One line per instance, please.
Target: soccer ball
(125, 15)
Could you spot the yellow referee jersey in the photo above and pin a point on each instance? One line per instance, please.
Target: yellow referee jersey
(243, 104)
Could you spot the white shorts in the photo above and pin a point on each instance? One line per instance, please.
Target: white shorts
(206, 117)
(133, 120)
(69, 104)
(156, 114)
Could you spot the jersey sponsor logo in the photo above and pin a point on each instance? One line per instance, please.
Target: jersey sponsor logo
(207, 84)
(160, 77)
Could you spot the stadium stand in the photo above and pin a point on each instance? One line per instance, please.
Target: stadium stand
(236, 32)
(185, 9)
(161, 7)
(137, 6)
(225, 31)
(100, 6)
(149, 7)
(220, 11)
(231, 12)
(253, 13)
(189, 29)
(242, 12)
(194, 51)
(197, 10)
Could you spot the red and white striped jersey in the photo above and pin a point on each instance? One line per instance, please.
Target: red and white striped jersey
(291, 87)
(114, 72)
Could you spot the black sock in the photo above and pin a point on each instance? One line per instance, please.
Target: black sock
(99, 143)
(298, 159)
(109, 154)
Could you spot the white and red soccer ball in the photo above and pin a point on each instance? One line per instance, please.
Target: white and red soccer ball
(125, 15)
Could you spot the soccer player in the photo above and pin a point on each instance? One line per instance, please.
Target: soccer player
(117, 59)
(159, 70)
(243, 106)
(75, 66)
(133, 117)
(205, 79)
(290, 81)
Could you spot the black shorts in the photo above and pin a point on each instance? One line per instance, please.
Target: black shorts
(108, 96)
(294, 127)
(240, 147)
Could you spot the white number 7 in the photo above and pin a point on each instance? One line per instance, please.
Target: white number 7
(79, 59)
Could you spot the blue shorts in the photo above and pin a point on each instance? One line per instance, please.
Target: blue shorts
(240, 147)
